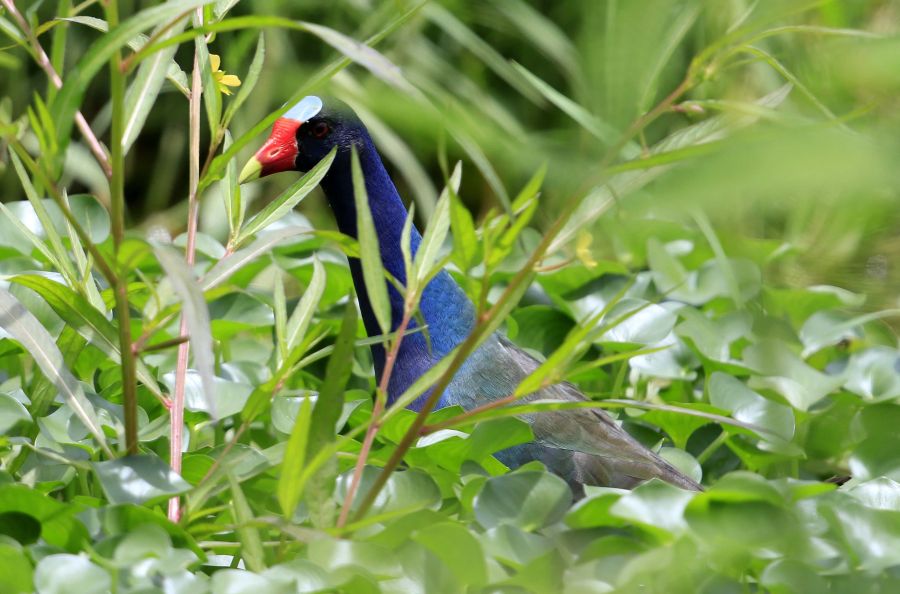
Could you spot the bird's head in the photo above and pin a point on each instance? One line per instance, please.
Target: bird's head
(303, 136)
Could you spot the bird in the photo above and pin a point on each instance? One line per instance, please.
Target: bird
(582, 446)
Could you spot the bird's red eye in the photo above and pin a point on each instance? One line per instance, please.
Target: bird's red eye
(321, 130)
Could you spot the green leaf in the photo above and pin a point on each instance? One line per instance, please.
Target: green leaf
(656, 506)
(251, 549)
(362, 54)
(298, 324)
(249, 81)
(465, 243)
(25, 328)
(458, 548)
(287, 200)
(289, 484)
(527, 499)
(404, 492)
(786, 373)
(370, 250)
(212, 98)
(15, 570)
(231, 194)
(196, 315)
(142, 93)
(79, 314)
(58, 523)
(438, 226)
(76, 82)
(593, 124)
(139, 479)
(224, 268)
(61, 574)
(729, 393)
(12, 411)
(331, 396)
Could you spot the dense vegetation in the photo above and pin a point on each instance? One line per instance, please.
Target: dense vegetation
(687, 207)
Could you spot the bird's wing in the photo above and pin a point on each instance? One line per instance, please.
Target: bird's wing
(604, 452)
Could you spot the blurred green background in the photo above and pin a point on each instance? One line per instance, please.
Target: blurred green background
(810, 189)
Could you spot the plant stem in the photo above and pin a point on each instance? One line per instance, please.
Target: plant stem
(176, 422)
(380, 397)
(117, 220)
(44, 62)
(160, 345)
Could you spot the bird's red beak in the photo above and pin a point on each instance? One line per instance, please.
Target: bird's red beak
(279, 153)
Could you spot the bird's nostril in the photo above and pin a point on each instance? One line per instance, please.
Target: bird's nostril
(274, 152)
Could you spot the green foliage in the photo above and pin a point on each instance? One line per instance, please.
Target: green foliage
(723, 283)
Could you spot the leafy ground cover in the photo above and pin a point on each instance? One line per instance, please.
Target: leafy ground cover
(724, 284)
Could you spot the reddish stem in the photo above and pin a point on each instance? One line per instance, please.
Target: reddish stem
(380, 397)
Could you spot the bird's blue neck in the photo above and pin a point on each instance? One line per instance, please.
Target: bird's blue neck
(447, 312)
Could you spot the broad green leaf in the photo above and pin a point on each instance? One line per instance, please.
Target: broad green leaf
(404, 492)
(785, 372)
(86, 319)
(456, 546)
(872, 373)
(729, 393)
(196, 314)
(139, 479)
(370, 250)
(60, 574)
(12, 411)
(526, 499)
(25, 328)
(15, 569)
(287, 200)
(656, 506)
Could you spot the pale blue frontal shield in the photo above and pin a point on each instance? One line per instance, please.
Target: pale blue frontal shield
(306, 108)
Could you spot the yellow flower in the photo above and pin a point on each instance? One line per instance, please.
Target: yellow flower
(583, 249)
(223, 81)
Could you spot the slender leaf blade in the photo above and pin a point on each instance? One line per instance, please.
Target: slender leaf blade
(370, 251)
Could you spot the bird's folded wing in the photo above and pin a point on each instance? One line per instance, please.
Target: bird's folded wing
(607, 452)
